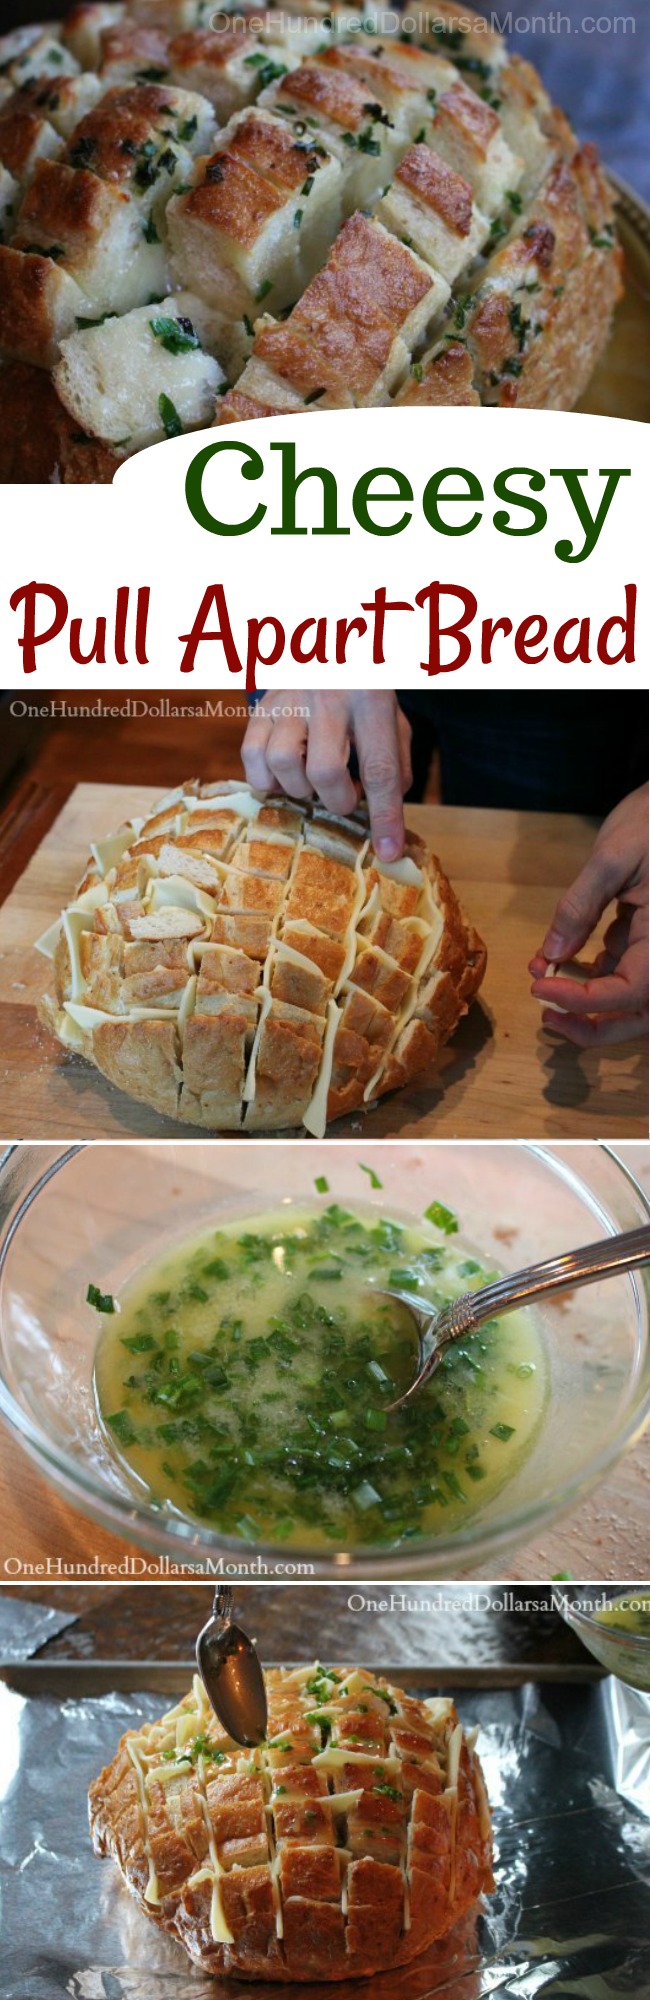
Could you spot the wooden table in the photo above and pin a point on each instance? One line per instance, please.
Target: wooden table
(502, 1076)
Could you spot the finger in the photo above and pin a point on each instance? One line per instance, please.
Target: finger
(404, 734)
(381, 775)
(328, 751)
(579, 910)
(587, 1033)
(285, 755)
(624, 991)
(253, 751)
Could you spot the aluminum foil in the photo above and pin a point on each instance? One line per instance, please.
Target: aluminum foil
(26, 1625)
(571, 1916)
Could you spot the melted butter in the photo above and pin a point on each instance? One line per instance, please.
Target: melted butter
(245, 1382)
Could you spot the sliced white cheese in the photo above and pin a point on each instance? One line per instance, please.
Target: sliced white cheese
(172, 889)
(106, 853)
(48, 942)
(315, 1117)
(89, 1018)
(74, 922)
(243, 802)
(405, 870)
(152, 1893)
(187, 1006)
(90, 900)
(333, 1758)
(341, 1802)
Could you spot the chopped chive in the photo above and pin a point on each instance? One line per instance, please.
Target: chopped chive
(171, 422)
(321, 1184)
(442, 1217)
(103, 1302)
(372, 1176)
(502, 1431)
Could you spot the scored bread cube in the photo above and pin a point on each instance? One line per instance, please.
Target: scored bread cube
(132, 54)
(172, 14)
(431, 208)
(443, 376)
(39, 306)
(406, 81)
(64, 100)
(259, 393)
(44, 55)
(96, 233)
(533, 128)
(144, 137)
(84, 26)
(305, 170)
(465, 36)
(259, 217)
(522, 288)
(351, 335)
(135, 380)
(466, 132)
(229, 67)
(26, 136)
(16, 43)
(326, 104)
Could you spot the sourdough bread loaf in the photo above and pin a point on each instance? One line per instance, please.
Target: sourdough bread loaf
(357, 1835)
(246, 964)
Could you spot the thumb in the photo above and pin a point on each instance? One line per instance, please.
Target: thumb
(579, 910)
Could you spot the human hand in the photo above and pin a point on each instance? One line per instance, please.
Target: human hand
(611, 1004)
(298, 741)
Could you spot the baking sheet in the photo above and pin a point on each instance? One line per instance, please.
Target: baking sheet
(571, 1913)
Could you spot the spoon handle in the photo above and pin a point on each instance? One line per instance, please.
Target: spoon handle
(557, 1274)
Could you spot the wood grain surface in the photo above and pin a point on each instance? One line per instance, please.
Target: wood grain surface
(502, 1076)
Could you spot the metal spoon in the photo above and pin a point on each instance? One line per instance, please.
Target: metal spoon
(436, 1331)
(231, 1674)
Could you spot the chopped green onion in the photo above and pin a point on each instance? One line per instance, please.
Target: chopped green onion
(103, 1302)
(442, 1217)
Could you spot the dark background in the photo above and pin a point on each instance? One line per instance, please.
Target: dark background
(601, 80)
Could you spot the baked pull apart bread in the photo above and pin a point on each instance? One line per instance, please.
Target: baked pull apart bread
(207, 216)
(357, 1835)
(241, 963)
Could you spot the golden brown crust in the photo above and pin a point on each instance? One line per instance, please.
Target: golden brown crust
(438, 186)
(109, 140)
(352, 1890)
(232, 198)
(447, 379)
(38, 306)
(39, 441)
(23, 119)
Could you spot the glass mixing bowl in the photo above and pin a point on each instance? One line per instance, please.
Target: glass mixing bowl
(625, 1654)
(102, 1212)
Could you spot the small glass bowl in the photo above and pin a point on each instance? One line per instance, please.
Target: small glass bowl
(624, 1654)
(100, 1213)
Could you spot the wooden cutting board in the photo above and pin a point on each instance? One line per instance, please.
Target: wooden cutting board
(502, 1076)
